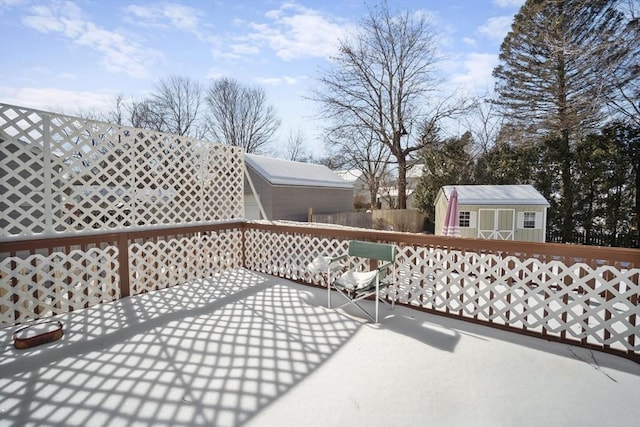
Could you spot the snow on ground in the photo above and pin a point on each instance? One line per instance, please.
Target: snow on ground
(250, 349)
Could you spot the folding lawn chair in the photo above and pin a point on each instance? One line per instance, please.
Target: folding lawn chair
(326, 265)
(358, 285)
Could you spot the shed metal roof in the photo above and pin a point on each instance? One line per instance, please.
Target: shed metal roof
(496, 195)
(285, 172)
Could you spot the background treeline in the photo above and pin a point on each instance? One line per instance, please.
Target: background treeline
(605, 170)
(564, 115)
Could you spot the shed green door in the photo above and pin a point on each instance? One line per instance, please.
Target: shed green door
(496, 224)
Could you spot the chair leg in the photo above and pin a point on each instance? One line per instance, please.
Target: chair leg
(354, 302)
(395, 295)
(329, 287)
(377, 296)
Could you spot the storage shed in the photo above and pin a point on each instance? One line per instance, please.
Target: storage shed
(288, 189)
(502, 212)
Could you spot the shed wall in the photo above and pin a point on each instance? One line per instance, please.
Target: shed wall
(481, 222)
(264, 190)
(521, 234)
(440, 210)
(293, 202)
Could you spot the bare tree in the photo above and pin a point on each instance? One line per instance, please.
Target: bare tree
(295, 150)
(143, 115)
(361, 149)
(240, 115)
(117, 114)
(484, 121)
(177, 102)
(382, 81)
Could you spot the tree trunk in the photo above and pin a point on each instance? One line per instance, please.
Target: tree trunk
(567, 190)
(373, 191)
(402, 182)
(636, 218)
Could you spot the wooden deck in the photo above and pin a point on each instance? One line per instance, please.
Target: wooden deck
(245, 348)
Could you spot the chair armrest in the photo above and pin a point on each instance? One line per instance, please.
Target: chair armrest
(338, 258)
(322, 264)
(385, 266)
(382, 270)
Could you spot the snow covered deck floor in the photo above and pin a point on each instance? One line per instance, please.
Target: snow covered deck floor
(250, 349)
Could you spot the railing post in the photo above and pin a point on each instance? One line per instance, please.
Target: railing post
(243, 239)
(123, 260)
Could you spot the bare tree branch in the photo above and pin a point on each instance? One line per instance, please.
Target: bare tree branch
(240, 115)
(381, 84)
(177, 102)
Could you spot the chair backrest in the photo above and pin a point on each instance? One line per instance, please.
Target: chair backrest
(379, 251)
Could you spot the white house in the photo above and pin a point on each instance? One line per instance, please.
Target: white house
(388, 195)
(503, 212)
(356, 178)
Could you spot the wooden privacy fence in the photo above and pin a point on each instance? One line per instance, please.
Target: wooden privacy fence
(584, 296)
(406, 220)
(350, 219)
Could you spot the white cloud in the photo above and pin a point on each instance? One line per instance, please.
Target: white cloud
(164, 15)
(59, 18)
(496, 28)
(68, 76)
(509, 3)
(279, 81)
(57, 99)
(469, 41)
(295, 31)
(244, 49)
(9, 3)
(473, 73)
(121, 54)
(215, 73)
(170, 15)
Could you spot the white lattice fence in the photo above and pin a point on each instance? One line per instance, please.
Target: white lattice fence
(39, 286)
(596, 305)
(65, 174)
(288, 255)
(161, 264)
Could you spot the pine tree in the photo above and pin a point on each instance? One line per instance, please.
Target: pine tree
(549, 81)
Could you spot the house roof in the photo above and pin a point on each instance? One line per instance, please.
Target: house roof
(496, 195)
(415, 171)
(351, 175)
(285, 172)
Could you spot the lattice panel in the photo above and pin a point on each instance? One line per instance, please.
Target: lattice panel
(39, 286)
(288, 255)
(21, 172)
(66, 174)
(186, 178)
(596, 305)
(92, 174)
(165, 263)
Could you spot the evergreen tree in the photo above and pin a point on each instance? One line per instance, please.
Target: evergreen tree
(606, 184)
(447, 162)
(548, 80)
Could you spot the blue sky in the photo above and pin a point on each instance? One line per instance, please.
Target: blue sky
(74, 56)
